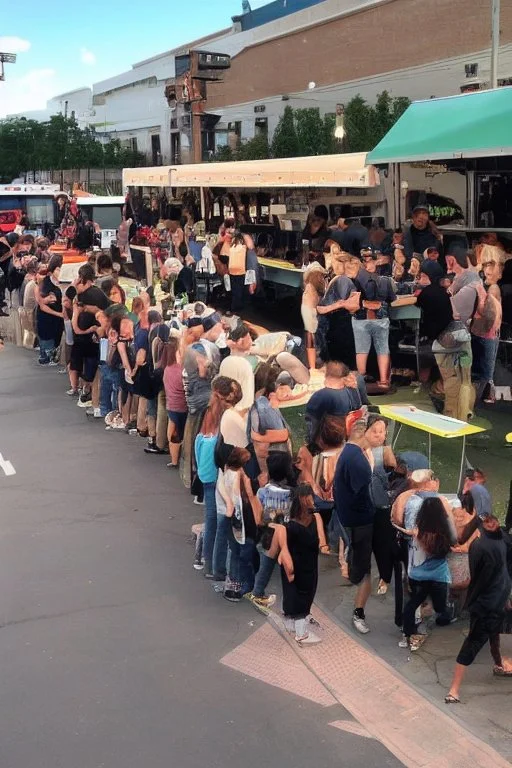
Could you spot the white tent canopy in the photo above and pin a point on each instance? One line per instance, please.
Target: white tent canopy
(347, 170)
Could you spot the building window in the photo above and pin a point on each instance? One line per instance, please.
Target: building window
(221, 140)
(156, 154)
(235, 128)
(261, 127)
(471, 70)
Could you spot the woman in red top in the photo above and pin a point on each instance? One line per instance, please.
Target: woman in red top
(175, 398)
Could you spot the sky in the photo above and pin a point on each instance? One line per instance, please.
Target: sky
(66, 46)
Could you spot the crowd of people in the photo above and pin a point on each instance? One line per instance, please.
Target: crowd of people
(209, 391)
(355, 276)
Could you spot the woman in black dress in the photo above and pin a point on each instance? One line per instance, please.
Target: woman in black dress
(50, 322)
(305, 536)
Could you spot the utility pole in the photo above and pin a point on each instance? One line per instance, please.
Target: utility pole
(6, 58)
(495, 42)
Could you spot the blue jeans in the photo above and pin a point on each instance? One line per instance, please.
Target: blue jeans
(109, 388)
(264, 574)
(220, 549)
(484, 358)
(241, 562)
(210, 525)
(46, 347)
(152, 407)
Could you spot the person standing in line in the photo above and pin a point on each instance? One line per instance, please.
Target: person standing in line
(429, 573)
(175, 399)
(314, 289)
(487, 599)
(50, 322)
(305, 537)
(356, 512)
(224, 392)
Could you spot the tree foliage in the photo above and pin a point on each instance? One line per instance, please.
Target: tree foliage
(285, 142)
(366, 125)
(254, 149)
(59, 144)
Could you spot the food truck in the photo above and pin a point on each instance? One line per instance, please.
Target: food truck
(464, 143)
(269, 199)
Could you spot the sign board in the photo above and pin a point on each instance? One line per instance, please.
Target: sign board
(108, 236)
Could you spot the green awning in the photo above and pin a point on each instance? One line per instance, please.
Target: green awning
(470, 125)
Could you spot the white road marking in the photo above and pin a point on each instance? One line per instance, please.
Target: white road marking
(6, 466)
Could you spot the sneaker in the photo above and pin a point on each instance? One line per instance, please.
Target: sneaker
(153, 448)
(262, 604)
(198, 564)
(309, 639)
(117, 423)
(416, 641)
(360, 624)
(84, 401)
(232, 595)
(53, 363)
(43, 362)
(72, 392)
(94, 413)
(62, 370)
(404, 642)
(196, 499)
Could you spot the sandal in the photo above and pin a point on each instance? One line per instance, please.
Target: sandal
(451, 699)
(501, 671)
(382, 588)
(416, 641)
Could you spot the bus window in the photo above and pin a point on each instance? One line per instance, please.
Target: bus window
(10, 203)
(40, 209)
(107, 216)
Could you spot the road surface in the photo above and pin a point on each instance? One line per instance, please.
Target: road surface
(114, 652)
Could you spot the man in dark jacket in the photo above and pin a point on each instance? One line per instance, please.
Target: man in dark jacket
(488, 596)
(421, 234)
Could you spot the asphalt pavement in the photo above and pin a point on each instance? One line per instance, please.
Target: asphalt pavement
(114, 652)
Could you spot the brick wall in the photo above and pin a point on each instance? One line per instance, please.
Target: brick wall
(396, 35)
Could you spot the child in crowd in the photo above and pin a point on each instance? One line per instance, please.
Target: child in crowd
(275, 498)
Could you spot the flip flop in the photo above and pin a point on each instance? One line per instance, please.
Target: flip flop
(500, 672)
(449, 699)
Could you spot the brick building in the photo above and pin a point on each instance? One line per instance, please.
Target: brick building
(414, 48)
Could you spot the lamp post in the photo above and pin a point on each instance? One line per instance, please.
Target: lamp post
(339, 130)
(6, 58)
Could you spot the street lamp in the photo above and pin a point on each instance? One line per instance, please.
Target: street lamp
(339, 130)
(6, 58)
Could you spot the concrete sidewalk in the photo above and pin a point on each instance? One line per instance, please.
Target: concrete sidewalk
(486, 701)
